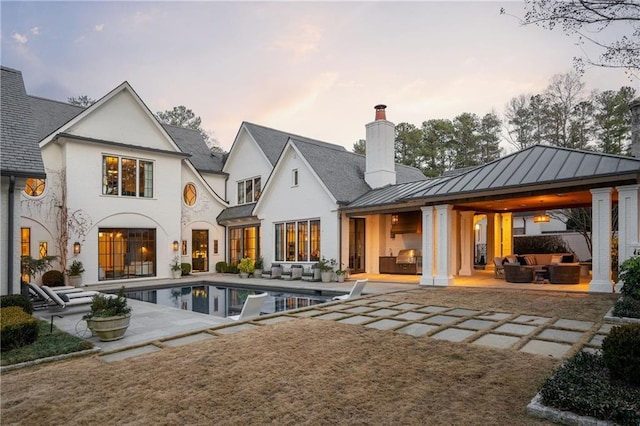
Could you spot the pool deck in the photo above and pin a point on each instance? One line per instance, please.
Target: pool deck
(153, 326)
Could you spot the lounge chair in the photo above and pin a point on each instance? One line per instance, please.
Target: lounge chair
(59, 299)
(73, 292)
(356, 291)
(294, 273)
(252, 307)
(274, 272)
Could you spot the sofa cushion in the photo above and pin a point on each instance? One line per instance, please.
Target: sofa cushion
(567, 258)
(529, 259)
(555, 259)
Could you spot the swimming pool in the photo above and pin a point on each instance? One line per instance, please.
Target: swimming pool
(223, 301)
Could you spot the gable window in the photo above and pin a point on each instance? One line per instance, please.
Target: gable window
(127, 177)
(34, 187)
(294, 177)
(249, 190)
(189, 194)
(297, 241)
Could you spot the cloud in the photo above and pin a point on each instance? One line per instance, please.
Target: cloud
(35, 31)
(302, 40)
(99, 27)
(22, 39)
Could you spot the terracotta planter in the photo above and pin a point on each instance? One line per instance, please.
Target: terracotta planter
(109, 328)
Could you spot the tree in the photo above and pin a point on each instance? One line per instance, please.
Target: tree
(613, 120)
(181, 116)
(520, 126)
(437, 141)
(360, 147)
(593, 21)
(82, 100)
(408, 145)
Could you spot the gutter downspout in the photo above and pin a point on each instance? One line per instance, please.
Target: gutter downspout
(10, 222)
(340, 240)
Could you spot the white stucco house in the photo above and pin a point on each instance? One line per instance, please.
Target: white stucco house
(126, 194)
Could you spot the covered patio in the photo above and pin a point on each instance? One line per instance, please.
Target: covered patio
(539, 178)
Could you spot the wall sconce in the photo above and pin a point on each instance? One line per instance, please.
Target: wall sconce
(541, 218)
(175, 246)
(76, 248)
(394, 219)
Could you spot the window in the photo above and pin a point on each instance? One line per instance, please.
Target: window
(244, 242)
(200, 250)
(189, 194)
(43, 249)
(25, 241)
(127, 177)
(297, 241)
(249, 190)
(183, 249)
(294, 177)
(126, 253)
(34, 187)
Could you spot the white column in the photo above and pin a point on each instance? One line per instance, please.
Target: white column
(466, 243)
(507, 233)
(628, 220)
(428, 253)
(601, 241)
(454, 242)
(444, 276)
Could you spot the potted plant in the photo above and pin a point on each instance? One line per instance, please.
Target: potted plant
(109, 316)
(176, 268)
(257, 268)
(75, 273)
(340, 275)
(246, 267)
(326, 269)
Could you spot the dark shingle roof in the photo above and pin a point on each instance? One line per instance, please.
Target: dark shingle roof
(19, 142)
(536, 165)
(190, 141)
(272, 141)
(51, 115)
(343, 172)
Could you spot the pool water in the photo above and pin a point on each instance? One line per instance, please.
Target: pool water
(223, 301)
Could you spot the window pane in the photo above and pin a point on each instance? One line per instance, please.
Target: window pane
(315, 240)
(256, 189)
(248, 191)
(109, 175)
(235, 245)
(128, 177)
(303, 241)
(34, 187)
(291, 242)
(240, 192)
(126, 253)
(25, 241)
(279, 238)
(146, 179)
(189, 194)
(43, 249)
(249, 243)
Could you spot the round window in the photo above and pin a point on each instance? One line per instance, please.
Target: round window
(34, 187)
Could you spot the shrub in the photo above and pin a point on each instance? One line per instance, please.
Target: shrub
(103, 306)
(246, 265)
(17, 328)
(621, 353)
(630, 275)
(232, 269)
(221, 266)
(17, 300)
(186, 268)
(539, 244)
(627, 307)
(582, 385)
(53, 279)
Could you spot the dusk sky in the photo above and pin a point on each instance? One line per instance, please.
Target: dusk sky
(311, 68)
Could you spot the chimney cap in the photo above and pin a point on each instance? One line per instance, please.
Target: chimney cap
(380, 114)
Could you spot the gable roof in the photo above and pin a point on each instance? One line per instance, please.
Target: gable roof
(20, 153)
(342, 172)
(538, 165)
(272, 141)
(50, 115)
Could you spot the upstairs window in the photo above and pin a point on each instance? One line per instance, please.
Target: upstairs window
(294, 177)
(127, 177)
(249, 190)
(189, 194)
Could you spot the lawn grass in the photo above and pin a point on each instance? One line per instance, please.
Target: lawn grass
(308, 371)
(48, 344)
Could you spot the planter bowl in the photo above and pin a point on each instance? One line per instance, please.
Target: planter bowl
(109, 328)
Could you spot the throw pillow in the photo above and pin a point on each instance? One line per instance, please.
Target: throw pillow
(521, 260)
(530, 259)
(556, 258)
(63, 297)
(567, 258)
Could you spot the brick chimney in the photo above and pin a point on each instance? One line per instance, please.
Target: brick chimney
(634, 106)
(380, 159)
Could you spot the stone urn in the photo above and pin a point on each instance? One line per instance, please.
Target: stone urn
(109, 328)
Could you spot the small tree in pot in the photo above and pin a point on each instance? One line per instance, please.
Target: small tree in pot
(326, 269)
(75, 273)
(246, 267)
